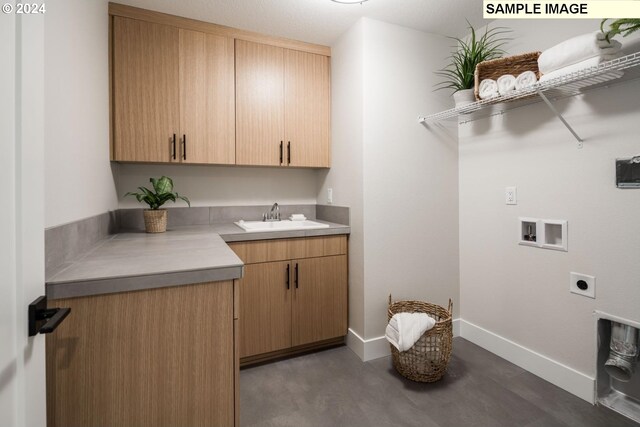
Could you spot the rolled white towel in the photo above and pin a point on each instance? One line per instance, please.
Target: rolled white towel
(526, 79)
(574, 50)
(404, 329)
(488, 89)
(506, 84)
(582, 65)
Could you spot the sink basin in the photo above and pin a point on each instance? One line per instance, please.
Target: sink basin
(284, 225)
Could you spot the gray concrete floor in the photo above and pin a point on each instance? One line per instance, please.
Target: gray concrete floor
(334, 388)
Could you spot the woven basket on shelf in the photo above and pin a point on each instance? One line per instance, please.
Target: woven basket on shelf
(155, 221)
(514, 65)
(427, 360)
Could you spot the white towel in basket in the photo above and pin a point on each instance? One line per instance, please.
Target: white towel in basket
(404, 329)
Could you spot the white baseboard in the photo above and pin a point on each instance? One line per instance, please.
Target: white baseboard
(368, 349)
(456, 327)
(554, 372)
(374, 348)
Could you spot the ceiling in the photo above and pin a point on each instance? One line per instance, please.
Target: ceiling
(323, 21)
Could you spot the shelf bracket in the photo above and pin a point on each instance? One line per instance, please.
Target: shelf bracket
(557, 113)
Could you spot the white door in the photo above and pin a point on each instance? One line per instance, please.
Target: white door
(22, 360)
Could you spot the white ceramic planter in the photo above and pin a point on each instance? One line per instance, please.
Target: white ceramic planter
(464, 97)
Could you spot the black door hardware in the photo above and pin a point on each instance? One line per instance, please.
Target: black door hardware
(184, 147)
(281, 152)
(43, 320)
(289, 152)
(288, 268)
(296, 279)
(173, 147)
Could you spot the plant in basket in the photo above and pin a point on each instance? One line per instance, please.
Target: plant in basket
(469, 52)
(155, 219)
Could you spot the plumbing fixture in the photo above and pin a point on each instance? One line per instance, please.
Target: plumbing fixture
(273, 214)
(623, 352)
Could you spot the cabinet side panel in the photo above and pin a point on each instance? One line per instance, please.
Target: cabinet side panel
(162, 357)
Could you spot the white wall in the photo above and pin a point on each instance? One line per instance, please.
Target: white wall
(345, 177)
(78, 177)
(521, 293)
(410, 175)
(399, 178)
(223, 186)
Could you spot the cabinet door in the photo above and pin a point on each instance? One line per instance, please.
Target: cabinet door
(152, 358)
(306, 97)
(207, 98)
(145, 90)
(259, 103)
(319, 309)
(265, 308)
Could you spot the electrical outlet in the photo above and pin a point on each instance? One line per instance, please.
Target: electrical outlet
(511, 196)
(329, 195)
(582, 284)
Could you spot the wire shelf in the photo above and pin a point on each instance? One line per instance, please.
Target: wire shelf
(620, 69)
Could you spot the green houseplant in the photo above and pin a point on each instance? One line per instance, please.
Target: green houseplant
(624, 26)
(469, 52)
(155, 219)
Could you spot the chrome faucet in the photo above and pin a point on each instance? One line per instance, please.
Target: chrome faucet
(273, 214)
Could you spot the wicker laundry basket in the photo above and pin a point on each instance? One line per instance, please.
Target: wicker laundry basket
(427, 360)
(514, 65)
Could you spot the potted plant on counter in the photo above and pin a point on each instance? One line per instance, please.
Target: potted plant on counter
(155, 219)
(469, 52)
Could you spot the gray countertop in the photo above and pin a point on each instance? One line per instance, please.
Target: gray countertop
(136, 260)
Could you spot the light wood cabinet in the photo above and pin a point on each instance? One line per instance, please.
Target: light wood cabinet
(185, 91)
(265, 324)
(159, 357)
(173, 94)
(145, 90)
(289, 305)
(320, 299)
(207, 98)
(306, 101)
(259, 104)
(282, 116)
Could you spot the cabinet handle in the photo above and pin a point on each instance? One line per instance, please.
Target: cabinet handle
(173, 147)
(288, 268)
(43, 320)
(289, 152)
(281, 152)
(184, 147)
(296, 279)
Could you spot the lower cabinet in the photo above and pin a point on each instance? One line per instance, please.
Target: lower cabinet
(158, 357)
(287, 304)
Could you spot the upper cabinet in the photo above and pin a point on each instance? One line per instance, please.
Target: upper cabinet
(173, 94)
(282, 112)
(259, 104)
(145, 90)
(207, 98)
(186, 91)
(306, 108)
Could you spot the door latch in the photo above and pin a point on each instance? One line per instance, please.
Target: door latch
(43, 320)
